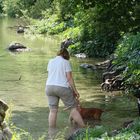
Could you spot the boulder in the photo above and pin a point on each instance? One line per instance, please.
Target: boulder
(81, 55)
(65, 44)
(113, 84)
(20, 29)
(5, 132)
(17, 47)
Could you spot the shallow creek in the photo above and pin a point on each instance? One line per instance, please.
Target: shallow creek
(22, 84)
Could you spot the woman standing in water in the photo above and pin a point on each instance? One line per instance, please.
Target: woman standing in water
(60, 85)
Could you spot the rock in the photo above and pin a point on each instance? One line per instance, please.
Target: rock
(3, 105)
(20, 29)
(110, 75)
(80, 133)
(104, 65)
(117, 83)
(85, 66)
(128, 124)
(80, 55)
(97, 66)
(138, 103)
(66, 43)
(113, 84)
(106, 86)
(17, 47)
(5, 133)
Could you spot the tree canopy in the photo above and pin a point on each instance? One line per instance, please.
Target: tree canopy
(94, 25)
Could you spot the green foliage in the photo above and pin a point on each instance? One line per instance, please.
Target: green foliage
(100, 133)
(104, 24)
(19, 134)
(101, 23)
(38, 7)
(65, 8)
(1, 7)
(11, 8)
(49, 25)
(128, 53)
(34, 8)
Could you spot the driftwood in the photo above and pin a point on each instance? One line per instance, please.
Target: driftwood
(5, 133)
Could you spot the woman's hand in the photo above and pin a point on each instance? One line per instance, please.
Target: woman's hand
(76, 94)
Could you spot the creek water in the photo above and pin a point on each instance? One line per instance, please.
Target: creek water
(22, 84)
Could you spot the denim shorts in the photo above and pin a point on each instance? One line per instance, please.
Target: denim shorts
(55, 93)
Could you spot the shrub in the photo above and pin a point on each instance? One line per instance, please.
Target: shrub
(128, 54)
(11, 8)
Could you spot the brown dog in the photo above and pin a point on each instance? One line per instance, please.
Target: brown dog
(90, 113)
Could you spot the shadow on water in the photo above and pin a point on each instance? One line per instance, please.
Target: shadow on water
(34, 121)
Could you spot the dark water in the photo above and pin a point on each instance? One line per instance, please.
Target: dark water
(22, 84)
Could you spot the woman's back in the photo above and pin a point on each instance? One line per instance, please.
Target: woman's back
(57, 69)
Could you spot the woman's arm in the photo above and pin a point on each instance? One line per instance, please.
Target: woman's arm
(72, 83)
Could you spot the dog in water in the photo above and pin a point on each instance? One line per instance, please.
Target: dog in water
(87, 113)
(90, 113)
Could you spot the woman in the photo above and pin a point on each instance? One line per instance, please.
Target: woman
(60, 85)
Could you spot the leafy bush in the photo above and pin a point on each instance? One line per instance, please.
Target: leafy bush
(132, 132)
(1, 7)
(128, 54)
(37, 9)
(11, 8)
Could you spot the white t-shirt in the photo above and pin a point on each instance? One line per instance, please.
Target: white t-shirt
(57, 69)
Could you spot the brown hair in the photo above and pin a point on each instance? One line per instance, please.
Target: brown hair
(64, 53)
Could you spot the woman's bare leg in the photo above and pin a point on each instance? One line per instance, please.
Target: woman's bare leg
(75, 115)
(52, 123)
(52, 118)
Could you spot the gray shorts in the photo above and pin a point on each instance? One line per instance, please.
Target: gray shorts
(54, 93)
